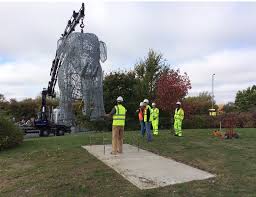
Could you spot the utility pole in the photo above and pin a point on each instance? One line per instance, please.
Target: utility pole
(213, 89)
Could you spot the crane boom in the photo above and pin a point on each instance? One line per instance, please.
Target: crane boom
(56, 63)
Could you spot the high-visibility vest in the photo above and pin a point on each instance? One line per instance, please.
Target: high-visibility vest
(145, 114)
(155, 113)
(119, 116)
(179, 114)
(141, 111)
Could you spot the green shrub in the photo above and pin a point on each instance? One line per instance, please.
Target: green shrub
(10, 134)
(165, 123)
(200, 122)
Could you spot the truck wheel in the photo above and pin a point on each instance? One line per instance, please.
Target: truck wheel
(60, 132)
(41, 133)
(45, 133)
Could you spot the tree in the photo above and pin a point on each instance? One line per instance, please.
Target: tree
(2, 101)
(26, 108)
(120, 84)
(246, 99)
(148, 72)
(3, 104)
(2, 98)
(171, 87)
(22, 109)
(229, 107)
(198, 105)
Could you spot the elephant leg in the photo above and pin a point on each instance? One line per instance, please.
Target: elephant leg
(66, 113)
(86, 95)
(97, 99)
(93, 100)
(66, 88)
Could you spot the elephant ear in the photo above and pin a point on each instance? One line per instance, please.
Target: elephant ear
(103, 52)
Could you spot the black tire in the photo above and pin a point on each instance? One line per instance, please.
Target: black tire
(45, 133)
(60, 132)
(41, 133)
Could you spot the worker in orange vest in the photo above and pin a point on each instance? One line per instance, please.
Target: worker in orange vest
(141, 118)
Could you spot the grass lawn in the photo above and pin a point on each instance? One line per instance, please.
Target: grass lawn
(58, 166)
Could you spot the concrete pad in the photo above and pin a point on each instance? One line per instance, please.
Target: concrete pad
(145, 169)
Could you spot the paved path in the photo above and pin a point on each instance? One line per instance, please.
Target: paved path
(147, 170)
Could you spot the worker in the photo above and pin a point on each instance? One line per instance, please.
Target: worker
(118, 114)
(178, 118)
(155, 121)
(147, 119)
(141, 118)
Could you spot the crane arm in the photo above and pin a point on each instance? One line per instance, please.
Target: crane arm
(59, 57)
(56, 63)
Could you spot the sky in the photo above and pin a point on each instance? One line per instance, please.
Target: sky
(200, 38)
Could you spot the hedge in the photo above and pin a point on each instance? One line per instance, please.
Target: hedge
(241, 120)
(10, 134)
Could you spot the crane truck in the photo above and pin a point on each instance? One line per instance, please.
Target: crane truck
(44, 125)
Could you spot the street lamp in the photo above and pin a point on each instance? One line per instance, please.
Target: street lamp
(213, 89)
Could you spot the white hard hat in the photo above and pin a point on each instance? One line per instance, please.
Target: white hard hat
(146, 101)
(141, 104)
(153, 104)
(120, 99)
(178, 103)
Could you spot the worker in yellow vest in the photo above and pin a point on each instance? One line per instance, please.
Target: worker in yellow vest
(155, 121)
(178, 118)
(148, 119)
(118, 114)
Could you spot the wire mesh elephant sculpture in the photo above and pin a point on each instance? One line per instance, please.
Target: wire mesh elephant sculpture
(80, 75)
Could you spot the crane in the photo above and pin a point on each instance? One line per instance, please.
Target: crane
(42, 123)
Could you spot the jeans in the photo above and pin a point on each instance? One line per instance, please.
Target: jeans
(142, 128)
(148, 130)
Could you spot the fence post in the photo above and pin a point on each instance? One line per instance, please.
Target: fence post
(138, 139)
(104, 144)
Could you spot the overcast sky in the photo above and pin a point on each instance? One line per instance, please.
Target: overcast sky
(198, 38)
